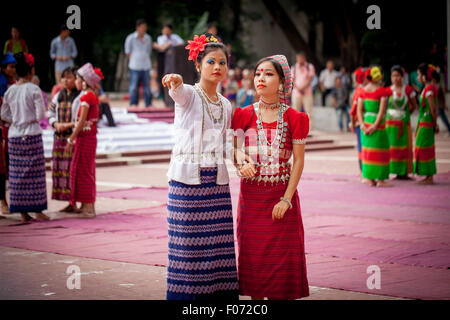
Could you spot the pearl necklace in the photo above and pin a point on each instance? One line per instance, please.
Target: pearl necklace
(205, 99)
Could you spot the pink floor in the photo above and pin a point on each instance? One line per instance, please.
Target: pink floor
(404, 230)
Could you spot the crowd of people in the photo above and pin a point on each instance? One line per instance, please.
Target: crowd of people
(381, 119)
(73, 114)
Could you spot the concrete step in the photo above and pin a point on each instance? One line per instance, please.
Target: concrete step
(125, 161)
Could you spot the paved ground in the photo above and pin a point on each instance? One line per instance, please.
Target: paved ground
(26, 274)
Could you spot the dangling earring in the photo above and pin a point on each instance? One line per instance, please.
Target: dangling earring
(84, 85)
(280, 89)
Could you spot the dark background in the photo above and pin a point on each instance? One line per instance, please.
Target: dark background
(409, 29)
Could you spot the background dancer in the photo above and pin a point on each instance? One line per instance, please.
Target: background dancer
(401, 103)
(424, 152)
(375, 143)
(23, 107)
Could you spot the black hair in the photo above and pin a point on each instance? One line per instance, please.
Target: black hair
(399, 69)
(300, 53)
(212, 46)
(436, 76)
(140, 21)
(64, 27)
(276, 65)
(423, 68)
(168, 25)
(22, 67)
(72, 70)
(211, 25)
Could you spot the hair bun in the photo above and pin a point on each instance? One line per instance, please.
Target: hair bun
(375, 74)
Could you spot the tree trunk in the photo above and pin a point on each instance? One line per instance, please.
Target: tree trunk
(283, 20)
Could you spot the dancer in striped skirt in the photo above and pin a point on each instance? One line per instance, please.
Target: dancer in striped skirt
(83, 141)
(401, 103)
(375, 143)
(23, 107)
(425, 154)
(60, 118)
(270, 231)
(202, 262)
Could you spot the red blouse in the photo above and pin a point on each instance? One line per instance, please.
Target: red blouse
(409, 91)
(297, 129)
(429, 90)
(90, 100)
(375, 95)
(356, 96)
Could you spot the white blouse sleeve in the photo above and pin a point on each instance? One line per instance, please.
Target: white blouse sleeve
(182, 95)
(39, 103)
(6, 114)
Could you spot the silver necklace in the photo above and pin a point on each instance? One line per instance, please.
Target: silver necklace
(396, 99)
(272, 106)
(278, 141)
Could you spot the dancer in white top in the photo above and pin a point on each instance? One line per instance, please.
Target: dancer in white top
(202, 262)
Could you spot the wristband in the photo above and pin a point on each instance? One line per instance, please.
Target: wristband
(287, 201)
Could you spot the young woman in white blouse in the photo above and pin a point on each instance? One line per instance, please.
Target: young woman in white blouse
(23, 107)
(202, 263)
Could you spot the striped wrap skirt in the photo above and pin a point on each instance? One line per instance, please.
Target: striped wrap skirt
(60, 169)
(28, 188)
(201, 250)
(82, 169)
(272, 260)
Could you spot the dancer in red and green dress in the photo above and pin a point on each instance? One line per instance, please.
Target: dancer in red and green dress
(425, 157)
(360, 79)
(375, 143)
(401, 103)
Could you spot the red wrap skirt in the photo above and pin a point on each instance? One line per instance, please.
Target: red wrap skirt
(271, 259)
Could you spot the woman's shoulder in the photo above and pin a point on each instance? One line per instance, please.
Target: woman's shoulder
(292, 113)
(430, 89)
(388, 91)
(89, 97)
(242, 117)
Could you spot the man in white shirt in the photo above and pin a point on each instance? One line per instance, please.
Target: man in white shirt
(327, 80)
(138, 48)
(166, 40)
(303, 73)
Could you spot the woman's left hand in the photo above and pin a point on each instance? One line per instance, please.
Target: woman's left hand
(279, 210)
(69, 148)
(371, 129)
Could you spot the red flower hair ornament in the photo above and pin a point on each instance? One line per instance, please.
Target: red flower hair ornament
(99, 73)
(431, 69)
(360, 74)
(195, 46)
(29, 59)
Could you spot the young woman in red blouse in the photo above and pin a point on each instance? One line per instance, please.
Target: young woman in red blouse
(83, 141)
(270, 235)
